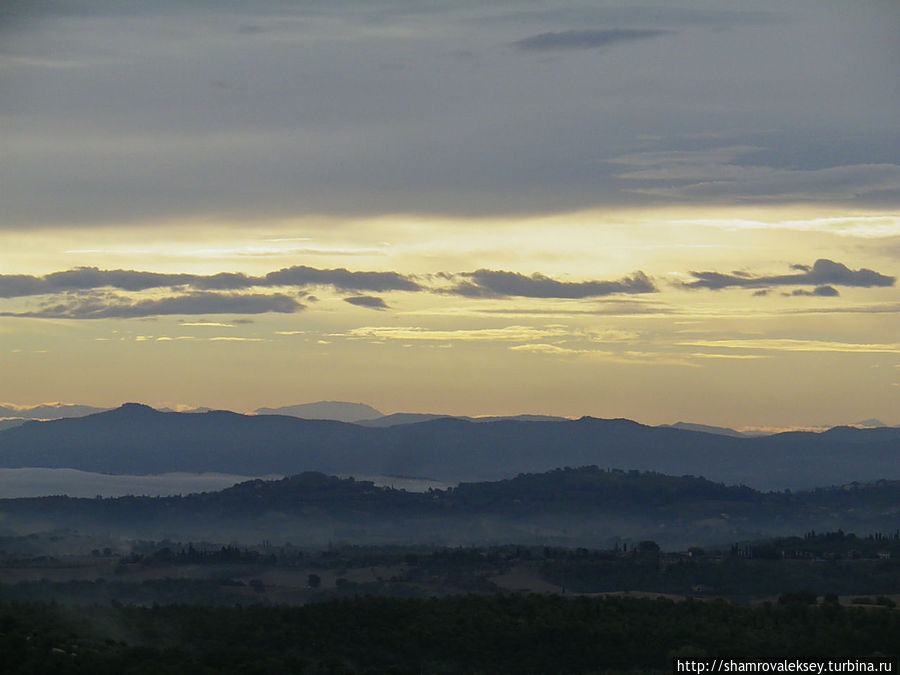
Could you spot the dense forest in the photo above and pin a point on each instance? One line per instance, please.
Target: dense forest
(461, 634)
(859, 569)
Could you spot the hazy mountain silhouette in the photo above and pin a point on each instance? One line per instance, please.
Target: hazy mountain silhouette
(870, 424)
(49, 411)
(325, 410)
(136, 439)
(397, 419)
(706, 428)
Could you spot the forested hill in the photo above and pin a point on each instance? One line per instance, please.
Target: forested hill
(561, 503)
(566, 490)
(137, 439)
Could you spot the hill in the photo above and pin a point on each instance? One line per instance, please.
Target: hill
(584, 506)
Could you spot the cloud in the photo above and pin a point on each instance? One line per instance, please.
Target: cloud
(498, 283)
(235, 339)
(823, 274)
(584, 39)
(796, 345)
(340, 279)
(108, 307)
(856, 225)
(296, 129)
(739, 357)
(820, 291)
(210, 324)
(208, 288)
(544, 348)
(507, 334)
(370, 301)
(725, 174)
(92, 278)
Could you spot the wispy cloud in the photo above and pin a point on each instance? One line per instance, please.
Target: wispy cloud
(507, 334)
(858, 225)
(210, 324)
(544, 348)
(584, 39)
(724, 173)
(797, 345)
(739, 357)
(235, 339)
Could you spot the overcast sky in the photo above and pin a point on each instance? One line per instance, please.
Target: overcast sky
(680, 210)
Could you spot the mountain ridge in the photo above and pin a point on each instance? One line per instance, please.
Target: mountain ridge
(137, 439)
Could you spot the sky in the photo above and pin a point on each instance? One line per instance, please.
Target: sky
(683, 210)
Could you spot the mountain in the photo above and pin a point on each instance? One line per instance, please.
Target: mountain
(48, 411)
(870, 424)
(325, 410)
(397, 419)
(11, 422)
(706, 429)
(136, 439)
(586, 505)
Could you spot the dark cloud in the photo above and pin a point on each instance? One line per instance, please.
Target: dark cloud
(340, 279)
(370, 301)
(498, 283)
(20, 285)
(84, 278)
(584, 39)
(820, 291)
(480, 283)
(823, 273)
(223, 281)
(102, 306)
(307, 126)
(92, 278)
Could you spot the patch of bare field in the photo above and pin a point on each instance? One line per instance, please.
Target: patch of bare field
(524, 578)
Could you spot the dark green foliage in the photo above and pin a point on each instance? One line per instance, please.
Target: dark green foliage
(571, 491)
(461, 634)
(731, 577)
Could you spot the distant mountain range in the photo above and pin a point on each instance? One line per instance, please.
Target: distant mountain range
(136, 439)
(707, 429)
(48, 411)
(326, 410)
(354, 413)
(583, 506)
